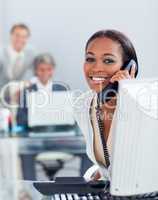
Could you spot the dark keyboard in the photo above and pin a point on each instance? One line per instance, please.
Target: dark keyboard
(100, 196)
(76, 188)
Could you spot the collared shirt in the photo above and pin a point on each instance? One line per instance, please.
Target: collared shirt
(41, 86)
(84, 117)
(16, 62)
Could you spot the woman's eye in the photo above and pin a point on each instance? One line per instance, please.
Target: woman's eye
(90, 60)
(108, 61)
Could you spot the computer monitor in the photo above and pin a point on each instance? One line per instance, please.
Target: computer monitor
(134, 162)
(50, 108)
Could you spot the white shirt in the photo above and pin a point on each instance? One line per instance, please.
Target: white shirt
(82, 116)
(41, 86)
(14, 57)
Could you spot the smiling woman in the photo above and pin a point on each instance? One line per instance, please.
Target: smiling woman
(103, 59)
(106, 55)
(107, 52)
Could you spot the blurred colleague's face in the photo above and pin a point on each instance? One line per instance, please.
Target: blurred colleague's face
(19, 38)
(102, 60)
(44, 72)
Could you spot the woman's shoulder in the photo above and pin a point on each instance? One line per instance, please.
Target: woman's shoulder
(83, 101)
(81, 108)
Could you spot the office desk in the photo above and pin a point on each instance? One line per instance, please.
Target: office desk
(28, 148)
(19, 190)
(70, 144)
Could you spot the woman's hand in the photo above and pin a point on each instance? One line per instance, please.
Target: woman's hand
(92, 173)
(123, 74)
(96, 176)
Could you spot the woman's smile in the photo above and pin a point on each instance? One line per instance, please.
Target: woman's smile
(99, 79)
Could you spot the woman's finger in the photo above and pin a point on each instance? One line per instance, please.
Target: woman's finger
(114, 78)
(133, 71)
(118, 78)
(126, 73)
(122, 74)
(96, 176)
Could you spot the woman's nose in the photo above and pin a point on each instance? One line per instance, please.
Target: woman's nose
(98, 66)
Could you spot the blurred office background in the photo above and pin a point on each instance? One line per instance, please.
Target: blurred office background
(63, 27)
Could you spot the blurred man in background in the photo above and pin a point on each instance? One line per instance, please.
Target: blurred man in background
(16, 58)
(16, 66)
(44, 68)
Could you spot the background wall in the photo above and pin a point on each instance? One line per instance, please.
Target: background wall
(2, 20)
(63, 27)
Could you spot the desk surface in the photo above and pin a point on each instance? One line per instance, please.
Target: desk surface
(71, 144)
(21, 189)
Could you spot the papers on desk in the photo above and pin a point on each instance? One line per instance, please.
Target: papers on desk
(5, 116)
(11, 185)
(18, 190)
(9, 164)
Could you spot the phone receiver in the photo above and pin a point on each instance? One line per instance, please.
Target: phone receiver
(111, 89)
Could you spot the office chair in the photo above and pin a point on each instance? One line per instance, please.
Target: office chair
(53, 161)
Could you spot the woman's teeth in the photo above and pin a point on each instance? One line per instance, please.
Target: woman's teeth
(98, 79)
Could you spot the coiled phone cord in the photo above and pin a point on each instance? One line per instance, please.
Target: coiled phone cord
(101, 130)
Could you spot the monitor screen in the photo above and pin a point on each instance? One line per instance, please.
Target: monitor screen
(134, 132)
(50, 108)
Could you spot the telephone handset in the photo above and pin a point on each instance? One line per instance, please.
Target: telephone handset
(111, 89)
(105, 95)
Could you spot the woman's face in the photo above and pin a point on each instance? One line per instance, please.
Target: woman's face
(102, 60)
